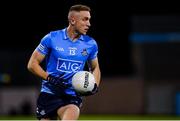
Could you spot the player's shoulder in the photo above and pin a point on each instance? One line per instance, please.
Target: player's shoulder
(56, 33)
(89, 39)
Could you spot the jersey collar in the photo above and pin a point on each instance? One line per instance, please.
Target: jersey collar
(65, 36)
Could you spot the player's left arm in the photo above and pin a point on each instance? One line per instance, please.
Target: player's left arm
(95, 69)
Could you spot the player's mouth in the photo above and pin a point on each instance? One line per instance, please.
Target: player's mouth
(86, 29)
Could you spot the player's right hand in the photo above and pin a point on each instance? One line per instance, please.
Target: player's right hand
(58, 81)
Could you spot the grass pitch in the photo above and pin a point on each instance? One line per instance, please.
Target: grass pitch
(103, 117)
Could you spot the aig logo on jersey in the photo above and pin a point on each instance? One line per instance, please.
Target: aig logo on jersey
(84, 52)
(68, 66)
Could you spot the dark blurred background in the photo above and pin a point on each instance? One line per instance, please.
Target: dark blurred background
(23, 25)
(138, 54)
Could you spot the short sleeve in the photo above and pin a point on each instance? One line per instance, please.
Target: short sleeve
(94, 52)
(44, 45)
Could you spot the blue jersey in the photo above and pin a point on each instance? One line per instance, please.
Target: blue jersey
(65, 57)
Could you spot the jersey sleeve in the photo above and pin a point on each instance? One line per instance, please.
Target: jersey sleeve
(94, 52)
(44, 45)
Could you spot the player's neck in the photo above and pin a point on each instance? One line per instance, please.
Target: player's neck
(73, 35)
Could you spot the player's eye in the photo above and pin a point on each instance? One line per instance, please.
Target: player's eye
(85, 19)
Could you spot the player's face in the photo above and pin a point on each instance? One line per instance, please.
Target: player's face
(82, 23)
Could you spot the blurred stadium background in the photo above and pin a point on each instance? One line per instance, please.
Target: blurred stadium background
(139, 54)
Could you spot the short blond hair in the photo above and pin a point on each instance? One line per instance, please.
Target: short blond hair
(79, 7)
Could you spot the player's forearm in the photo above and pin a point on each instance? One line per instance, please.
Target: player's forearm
(97, 75)
(36, 69)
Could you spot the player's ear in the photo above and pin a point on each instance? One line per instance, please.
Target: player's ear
(72, 20)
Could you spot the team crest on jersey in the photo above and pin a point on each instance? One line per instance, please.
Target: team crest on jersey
(84, 52)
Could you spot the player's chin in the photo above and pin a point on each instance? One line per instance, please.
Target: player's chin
(83, 33)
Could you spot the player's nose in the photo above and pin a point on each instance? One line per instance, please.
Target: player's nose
(88, 24)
